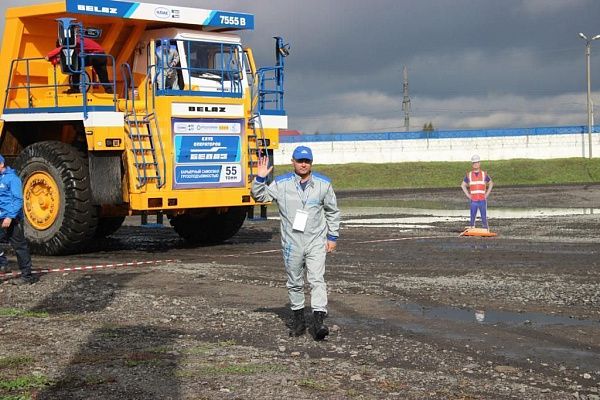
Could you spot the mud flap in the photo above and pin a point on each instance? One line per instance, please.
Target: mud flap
(105, 177)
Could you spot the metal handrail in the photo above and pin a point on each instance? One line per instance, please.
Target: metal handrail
(113, 83)
(28, 86)
(277, 92)
(132, 117)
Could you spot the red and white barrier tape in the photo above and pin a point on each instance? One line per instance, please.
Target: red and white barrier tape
(8, 275)
(349, 241)
(253, 253)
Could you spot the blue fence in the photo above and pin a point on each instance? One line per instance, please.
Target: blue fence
(480, 133)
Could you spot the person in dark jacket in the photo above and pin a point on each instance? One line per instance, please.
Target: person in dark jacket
(11, 221)
(96, 57)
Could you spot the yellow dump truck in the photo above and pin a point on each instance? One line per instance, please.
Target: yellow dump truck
(168, 118)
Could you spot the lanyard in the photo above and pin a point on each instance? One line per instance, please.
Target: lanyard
(303, 194)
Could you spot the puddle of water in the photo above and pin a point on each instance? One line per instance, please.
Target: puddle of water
(572, 356)
(492, 317)
(407, 222)
(385, 224)
(435, 214)
(420, 218)
(547, 350)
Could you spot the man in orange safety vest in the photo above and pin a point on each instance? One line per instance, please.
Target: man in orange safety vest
(477, 186)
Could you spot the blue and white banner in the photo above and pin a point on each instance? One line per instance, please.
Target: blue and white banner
(159, 12)
(208, 153)
(207, 176)
(200, 149)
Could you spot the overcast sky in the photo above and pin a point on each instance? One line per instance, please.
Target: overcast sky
(471, 63)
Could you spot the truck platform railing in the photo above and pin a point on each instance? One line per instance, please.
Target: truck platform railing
(270, 90)
(229, 82)
(270, 82)
(55, 105)
(257, 143)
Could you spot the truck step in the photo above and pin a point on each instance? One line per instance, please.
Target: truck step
(143, 178)
(145, 163)
(135, 135)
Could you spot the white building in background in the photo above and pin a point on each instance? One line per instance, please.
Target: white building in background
(490, 144)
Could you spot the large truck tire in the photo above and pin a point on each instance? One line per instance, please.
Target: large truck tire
(210, 227)
(108, 225)
(59, 215)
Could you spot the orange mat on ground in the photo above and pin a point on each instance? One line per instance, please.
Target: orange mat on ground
(478, 232)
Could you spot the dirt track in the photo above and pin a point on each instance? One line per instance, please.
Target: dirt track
(405, 295)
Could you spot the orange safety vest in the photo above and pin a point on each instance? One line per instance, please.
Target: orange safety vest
(477, 185)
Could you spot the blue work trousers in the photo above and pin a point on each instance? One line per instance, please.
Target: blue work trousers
(480, 205)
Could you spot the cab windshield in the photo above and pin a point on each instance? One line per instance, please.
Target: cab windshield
(201, 68)
(214, 61)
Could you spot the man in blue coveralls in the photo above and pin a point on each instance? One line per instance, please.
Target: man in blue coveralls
(310, 221)
(11, 220)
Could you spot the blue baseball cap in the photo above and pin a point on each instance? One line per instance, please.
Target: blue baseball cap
(1, 159)
(302, 153)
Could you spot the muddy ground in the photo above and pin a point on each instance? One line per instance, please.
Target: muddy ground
(416, 311)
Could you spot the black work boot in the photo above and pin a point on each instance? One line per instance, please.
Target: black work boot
(320, 329)
(298, 325)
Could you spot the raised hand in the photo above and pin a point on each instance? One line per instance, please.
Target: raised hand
(263, 168)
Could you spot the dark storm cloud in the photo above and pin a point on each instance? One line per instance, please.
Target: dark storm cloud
(453, 49)
(464, 57)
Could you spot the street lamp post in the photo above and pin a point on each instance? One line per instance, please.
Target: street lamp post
(588, 47)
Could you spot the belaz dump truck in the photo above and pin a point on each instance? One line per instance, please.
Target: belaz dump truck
(175, 129)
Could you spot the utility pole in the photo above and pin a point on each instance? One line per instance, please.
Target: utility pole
(406, 100)
(588, 45)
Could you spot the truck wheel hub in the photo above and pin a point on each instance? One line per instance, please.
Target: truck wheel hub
(41, 200)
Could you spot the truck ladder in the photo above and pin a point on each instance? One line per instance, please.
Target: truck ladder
(144, 135)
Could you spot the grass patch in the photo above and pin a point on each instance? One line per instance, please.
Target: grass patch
(135, 363)
(16, 397)
(142, 358)
(202, 349)
(15, 361)
(24, 382)
(387, 203)
(16, 312)
(239, 369)
(413, 175)
(313, 385)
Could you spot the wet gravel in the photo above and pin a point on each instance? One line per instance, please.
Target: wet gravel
(213, 324)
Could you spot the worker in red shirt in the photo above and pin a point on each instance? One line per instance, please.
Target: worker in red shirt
(95, 57)
(477, 186)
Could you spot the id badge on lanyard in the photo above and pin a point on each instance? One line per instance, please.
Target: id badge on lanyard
(301, 217)
(300, 220)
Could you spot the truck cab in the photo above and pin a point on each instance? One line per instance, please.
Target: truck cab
(208, 64)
